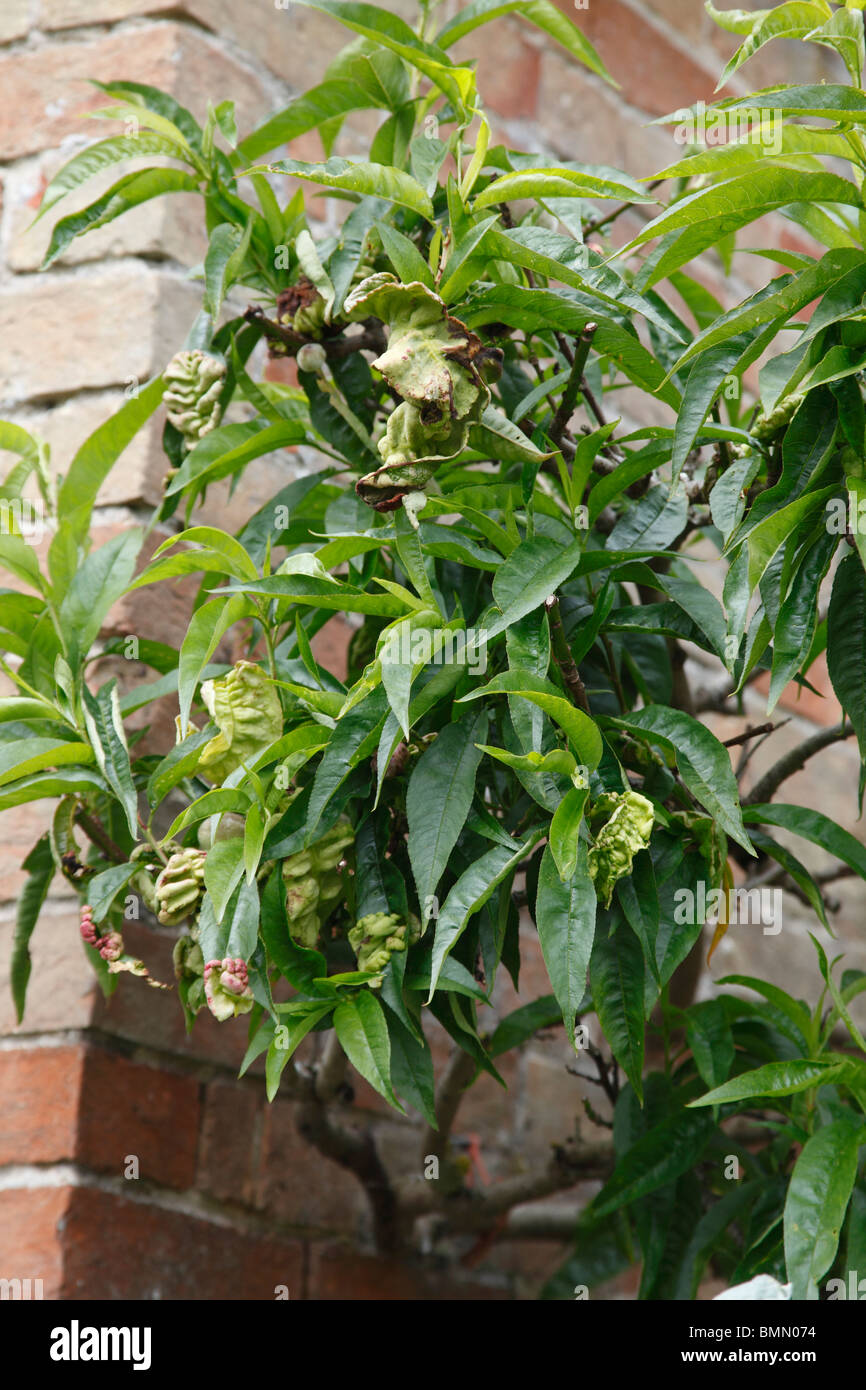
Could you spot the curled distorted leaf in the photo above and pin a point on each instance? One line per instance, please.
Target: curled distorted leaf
(193, 384)
(627, 829)
(375, 937)
(435, 364)
(245, 706)
(314, 884)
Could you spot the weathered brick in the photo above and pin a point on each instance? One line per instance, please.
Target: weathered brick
(31, 1226)
(296, 1184)
(228, 1141)
(14, 20)
(60, 336)
(155, 1253)
(655, 75)
(128, 1110)
(41, 1088)
(508, 69)
(583, 120)
(47, 93)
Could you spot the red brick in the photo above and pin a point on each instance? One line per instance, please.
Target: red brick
(228, 1141)
(654, 75)
(297, 1185)
(128, 1109)
(114, 1249)
(508, 69)
(31, 1224)
(41, 1089)
(84, 1104)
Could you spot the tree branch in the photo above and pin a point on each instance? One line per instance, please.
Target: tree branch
(794, 760)
(563, 656)
(574, 383)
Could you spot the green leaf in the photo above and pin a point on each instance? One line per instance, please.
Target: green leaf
(557, 183)
(296, 1026)
(722, 208)
(230, 448)
(656, 1159)
(565, 831)
(299, 965)
(522, 1024)
(39, 866)
(501, 440)
(394, 33)
(355, 737)
(105, 728)
(817, 1200)
(363, 1033)
(617, 973)
(709, 1036)
(789, 21)
(846, 643)
(534, 309)
(225, 253)
(792, 294)
(565, 917)
(370, 180)
(308, 112)
(98, 454)
(96, 585)
(223, 871)
(22, 757)
(207, 627)
(412, 1069)
(103, 888)
(704, 763)
(472, 890)
(404, 256)
(438, 799)
(774, 1079)
(97, 157)
(541, 13)
(128, 192)
(583, 734)
(814, 826)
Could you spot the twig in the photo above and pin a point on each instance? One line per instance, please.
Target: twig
(750, 733)
(95, 832)
(794, 760)
(574, 383)
(562, 654)
(609, 217)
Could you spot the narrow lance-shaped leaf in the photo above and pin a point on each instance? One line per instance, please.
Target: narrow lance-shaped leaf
(565, 917)
(39, 866)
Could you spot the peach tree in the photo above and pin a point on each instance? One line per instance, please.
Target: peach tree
(545, 594)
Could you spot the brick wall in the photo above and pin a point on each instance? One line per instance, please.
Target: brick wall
(133, 1163)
